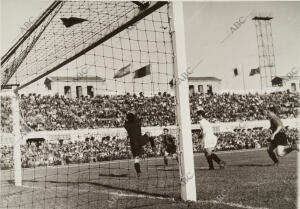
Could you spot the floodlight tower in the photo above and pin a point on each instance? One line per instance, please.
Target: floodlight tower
(265, 46)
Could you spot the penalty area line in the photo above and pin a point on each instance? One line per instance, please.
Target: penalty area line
(231, 204)
(112, 193)
(136, 195)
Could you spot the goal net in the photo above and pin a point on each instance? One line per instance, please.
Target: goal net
(76, 74)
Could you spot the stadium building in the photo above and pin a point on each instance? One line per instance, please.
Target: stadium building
(204, 85)
(284, 83)
(73, 87)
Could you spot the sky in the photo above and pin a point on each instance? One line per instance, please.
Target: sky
(207, 24)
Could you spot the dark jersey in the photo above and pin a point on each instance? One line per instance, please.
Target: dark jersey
(134, 129)
(168, 142)
(280, 138)
(137, 141)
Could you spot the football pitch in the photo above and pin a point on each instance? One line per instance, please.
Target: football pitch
(248, 181)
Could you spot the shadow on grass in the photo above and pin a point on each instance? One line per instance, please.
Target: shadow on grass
(167, 169)
(150, 205)
(251, 165)
(114, 175)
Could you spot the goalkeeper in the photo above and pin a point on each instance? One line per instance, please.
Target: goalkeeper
(137, 140)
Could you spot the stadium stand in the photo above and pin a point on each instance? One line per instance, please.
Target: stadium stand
(61, 113)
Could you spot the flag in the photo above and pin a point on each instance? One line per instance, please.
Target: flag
(142, 72)
(277, 81)
(47, 83)
(254, 71)
(171, 83)
(235, 72)
(68, 22)
(123, 72)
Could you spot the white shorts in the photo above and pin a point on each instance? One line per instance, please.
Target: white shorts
(210, 141)
(281, 150)
(173, 154)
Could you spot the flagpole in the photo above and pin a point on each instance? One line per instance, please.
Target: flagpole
(260, 82)
(133, 83)
(242, 67)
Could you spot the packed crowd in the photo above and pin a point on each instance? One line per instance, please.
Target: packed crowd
(112, 148)
(6, 115)
(242, 139)
(61, 113)
(233, 107)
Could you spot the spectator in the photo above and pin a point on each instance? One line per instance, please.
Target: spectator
(118, 148)
(61, 113)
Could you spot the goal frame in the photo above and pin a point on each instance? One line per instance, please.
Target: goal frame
(186, 164)
(187, 170)
(17, 137)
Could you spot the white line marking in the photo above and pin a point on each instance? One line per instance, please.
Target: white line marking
(122, 194)
(230, 204)
(142, 196)
(119, 193)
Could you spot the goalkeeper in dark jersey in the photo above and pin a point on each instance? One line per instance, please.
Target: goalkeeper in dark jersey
(168, 146)
(137, 140)
(278, 138)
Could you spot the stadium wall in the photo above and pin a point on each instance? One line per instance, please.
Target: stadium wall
(81, 135)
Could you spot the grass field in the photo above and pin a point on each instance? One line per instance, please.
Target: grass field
(249, 181)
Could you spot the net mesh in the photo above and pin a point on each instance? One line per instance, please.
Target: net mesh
(52, 44)
(82, 68)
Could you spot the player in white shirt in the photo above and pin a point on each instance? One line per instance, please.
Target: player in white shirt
(209, 141)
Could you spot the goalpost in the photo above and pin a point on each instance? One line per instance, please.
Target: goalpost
(14, 136)
(188, 190)
(136, 33)
(17, 138)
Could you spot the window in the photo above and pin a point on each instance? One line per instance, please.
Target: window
(209, 89)
(90, 91)
(78, 91)
(293, 87)
(200, 88)
(191, 89)
(67, 91)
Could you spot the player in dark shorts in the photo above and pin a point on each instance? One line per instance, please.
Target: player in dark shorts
(136, 139)
(278, 140)
(168, 146)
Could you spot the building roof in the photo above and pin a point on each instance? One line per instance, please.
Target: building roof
(204, 78)
(77, 79)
